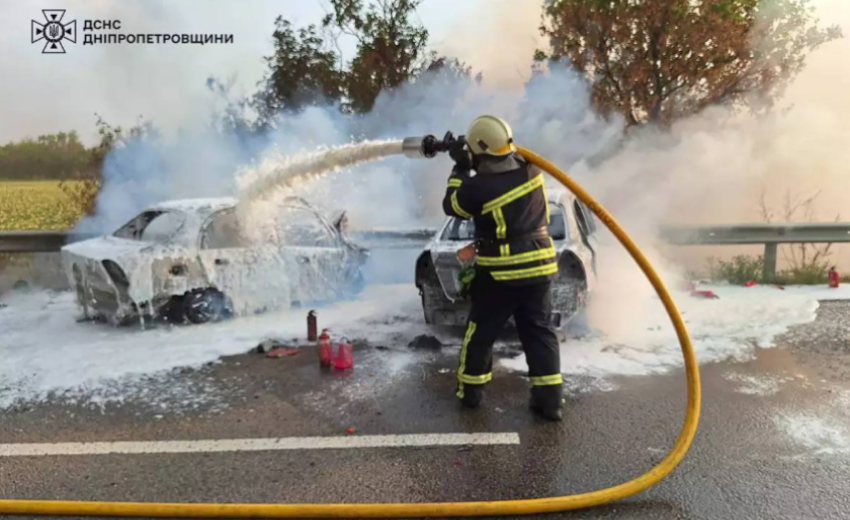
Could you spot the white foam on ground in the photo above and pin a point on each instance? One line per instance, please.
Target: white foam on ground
(721, 329)
(817, 435)
(46, 353)
(760, 385)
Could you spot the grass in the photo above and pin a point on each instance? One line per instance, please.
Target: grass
(36, 205)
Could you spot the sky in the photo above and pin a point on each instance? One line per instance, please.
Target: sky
(166, 83)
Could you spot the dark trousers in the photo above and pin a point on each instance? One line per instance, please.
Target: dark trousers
(493, 303)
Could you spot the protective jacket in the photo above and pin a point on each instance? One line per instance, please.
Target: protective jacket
(507, 201)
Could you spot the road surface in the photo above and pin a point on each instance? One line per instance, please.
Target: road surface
(774, 439)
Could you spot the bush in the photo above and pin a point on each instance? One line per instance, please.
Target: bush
(739, 270)
(812, 274)
(742, 269)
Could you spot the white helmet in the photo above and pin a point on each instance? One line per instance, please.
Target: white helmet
(490, 135)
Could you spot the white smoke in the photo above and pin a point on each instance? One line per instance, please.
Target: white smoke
(711, 168)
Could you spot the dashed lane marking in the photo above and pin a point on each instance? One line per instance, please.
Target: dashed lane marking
(279, 444)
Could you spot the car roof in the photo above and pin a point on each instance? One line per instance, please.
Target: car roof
(196, 205)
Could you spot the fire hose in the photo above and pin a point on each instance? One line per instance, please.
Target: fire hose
(414, 147)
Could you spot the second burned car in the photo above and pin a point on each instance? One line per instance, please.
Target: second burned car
(573, 230)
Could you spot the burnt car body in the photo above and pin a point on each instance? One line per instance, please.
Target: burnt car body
(572, 227)
(190, 259)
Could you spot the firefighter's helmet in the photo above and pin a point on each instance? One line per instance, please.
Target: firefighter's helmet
(490, 135)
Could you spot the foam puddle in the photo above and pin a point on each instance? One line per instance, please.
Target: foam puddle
(725, 329)
(45, 353)
(816, 435)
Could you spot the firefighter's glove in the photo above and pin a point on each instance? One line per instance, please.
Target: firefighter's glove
(460, 155)
(465, 277)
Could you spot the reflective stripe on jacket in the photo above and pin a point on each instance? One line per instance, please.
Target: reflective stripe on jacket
(507, 201)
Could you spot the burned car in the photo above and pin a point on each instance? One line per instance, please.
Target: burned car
(191, 260)
(572, 227)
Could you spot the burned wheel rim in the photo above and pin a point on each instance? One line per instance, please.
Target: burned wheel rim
(205, 306)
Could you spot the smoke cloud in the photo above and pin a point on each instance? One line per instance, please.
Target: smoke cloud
(712, 168)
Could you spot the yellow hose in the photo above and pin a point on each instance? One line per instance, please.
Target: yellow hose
(447, 509)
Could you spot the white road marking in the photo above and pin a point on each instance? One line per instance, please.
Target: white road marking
(280, 444)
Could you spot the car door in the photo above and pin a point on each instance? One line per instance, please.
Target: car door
(587, 229)
(316, 252)
(253, 276)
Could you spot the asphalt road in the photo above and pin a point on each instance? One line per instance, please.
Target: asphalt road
(774, 439)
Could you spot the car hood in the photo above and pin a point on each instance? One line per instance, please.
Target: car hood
(107, 248)
(133, 257)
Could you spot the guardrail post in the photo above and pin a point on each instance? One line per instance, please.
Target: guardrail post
(770, 261)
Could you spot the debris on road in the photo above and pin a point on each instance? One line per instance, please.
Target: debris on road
(351, 430)
(425, 342)
(280, 352)
(709, 295)
(268, 345)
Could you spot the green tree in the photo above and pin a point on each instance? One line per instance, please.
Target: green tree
(53, 156)
(661, 60)
(391, 49)
(302, 72)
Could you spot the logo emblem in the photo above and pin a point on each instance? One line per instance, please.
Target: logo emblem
(53, 31)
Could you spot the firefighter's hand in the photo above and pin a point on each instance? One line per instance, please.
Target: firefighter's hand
(457, 171)
(460, 155)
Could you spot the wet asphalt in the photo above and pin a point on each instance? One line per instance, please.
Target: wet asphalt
(747, 461)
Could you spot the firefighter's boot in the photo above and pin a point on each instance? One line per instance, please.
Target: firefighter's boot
(546, 402)
(471, 395)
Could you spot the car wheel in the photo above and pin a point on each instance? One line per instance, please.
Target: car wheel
(174, 311)
(205, 305)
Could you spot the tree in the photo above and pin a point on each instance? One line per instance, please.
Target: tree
(661, 60)
(83, 186)
(391, 50)
(53, 156)
(302, 72)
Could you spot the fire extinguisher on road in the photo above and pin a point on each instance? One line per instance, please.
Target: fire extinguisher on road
(325, 349)
(834, 278)
(312, 326)
(344, 358)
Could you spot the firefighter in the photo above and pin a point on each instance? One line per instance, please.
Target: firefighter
(515, 263)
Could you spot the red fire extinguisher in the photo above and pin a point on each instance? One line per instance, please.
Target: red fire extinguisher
(325, 350)
(344, 358)
(834, 278)
(312, 326)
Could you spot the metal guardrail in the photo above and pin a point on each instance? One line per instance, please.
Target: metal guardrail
(771, 235)
(757, 234)
(37, 241)
(52, 241)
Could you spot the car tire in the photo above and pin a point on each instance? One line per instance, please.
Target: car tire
(205, 305)
(174, 311)
(429, 298)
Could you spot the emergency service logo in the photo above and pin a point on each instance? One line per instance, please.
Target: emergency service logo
(53, 31)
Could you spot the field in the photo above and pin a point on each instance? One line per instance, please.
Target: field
(34, 205)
